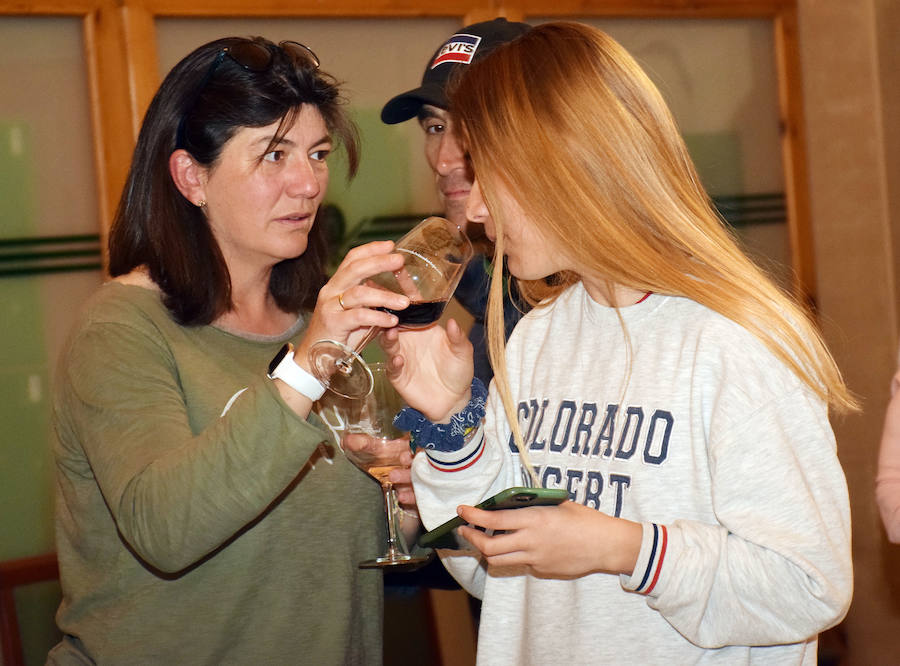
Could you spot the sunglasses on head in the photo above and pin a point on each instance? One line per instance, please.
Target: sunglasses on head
(253, 57)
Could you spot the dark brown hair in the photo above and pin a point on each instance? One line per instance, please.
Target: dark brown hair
(155, 226)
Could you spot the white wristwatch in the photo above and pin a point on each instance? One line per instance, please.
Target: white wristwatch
(283, 367)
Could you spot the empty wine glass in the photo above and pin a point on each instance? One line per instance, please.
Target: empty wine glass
(369, 439)
(435, 254)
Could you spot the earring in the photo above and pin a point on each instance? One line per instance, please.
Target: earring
(201, 203)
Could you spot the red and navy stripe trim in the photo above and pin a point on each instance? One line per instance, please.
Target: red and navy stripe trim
(458, 465)
(655, 562)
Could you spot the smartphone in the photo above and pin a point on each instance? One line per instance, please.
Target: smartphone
(511, 498)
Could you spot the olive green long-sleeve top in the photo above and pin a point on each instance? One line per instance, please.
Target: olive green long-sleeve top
(199, 519)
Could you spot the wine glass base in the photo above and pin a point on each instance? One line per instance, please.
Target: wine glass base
(341, 369)
(410, 561)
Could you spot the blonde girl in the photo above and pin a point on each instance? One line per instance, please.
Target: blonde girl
(662, 379)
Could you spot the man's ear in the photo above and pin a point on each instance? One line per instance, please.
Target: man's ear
(188, 176)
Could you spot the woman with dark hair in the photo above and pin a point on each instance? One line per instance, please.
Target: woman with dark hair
(201, 517)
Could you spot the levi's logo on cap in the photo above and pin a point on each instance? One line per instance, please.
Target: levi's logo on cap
(459, 50)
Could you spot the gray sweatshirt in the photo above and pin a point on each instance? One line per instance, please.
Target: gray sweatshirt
(701, 435)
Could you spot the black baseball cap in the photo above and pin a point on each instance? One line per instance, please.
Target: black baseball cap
(464, 47)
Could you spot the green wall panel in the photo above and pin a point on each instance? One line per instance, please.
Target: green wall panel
(26, 472)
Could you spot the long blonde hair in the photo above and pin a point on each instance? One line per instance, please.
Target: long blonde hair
(567, 120)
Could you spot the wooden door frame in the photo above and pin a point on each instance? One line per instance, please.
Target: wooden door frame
(123, 71)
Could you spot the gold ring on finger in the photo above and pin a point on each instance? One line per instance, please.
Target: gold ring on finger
(341, 301)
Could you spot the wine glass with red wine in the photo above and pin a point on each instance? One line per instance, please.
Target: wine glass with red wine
(435, 253)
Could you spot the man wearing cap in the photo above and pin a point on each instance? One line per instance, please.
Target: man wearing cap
(445, 156)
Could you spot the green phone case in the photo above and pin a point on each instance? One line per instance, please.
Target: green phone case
(511, 498)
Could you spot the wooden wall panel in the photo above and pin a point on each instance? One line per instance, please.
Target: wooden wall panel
(123, 67)
(793, 153)
(114, 131)
(658, 8)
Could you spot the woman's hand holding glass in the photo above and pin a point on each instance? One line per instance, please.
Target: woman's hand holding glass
(370, 441)
(435, 252)
(346, 308)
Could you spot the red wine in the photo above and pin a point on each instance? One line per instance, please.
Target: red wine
(418, 314)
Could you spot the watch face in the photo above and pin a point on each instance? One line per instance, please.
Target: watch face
(278, 358)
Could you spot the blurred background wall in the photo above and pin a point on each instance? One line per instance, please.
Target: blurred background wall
(851, 83)
(719, 74)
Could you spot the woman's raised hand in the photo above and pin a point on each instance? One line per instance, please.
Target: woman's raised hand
(431, 368)
(345, 309)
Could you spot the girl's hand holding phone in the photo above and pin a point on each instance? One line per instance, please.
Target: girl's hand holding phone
(567, 540)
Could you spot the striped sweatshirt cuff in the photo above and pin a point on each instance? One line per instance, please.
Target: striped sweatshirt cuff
(652, 556)
(456, 461)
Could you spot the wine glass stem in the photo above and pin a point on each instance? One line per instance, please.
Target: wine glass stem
(345, 365)
(390, 506)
